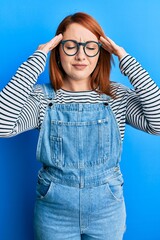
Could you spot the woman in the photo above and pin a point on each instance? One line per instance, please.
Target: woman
(81, 116)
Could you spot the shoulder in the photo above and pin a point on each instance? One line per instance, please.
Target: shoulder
(46, 90)
(118, 87)
(121, 92)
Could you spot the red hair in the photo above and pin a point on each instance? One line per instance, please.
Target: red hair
(100, 75)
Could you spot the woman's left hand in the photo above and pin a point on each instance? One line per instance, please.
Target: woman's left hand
(110, 46)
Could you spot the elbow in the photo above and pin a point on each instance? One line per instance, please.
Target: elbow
(7, 130)
(7, 134)
(153, 129)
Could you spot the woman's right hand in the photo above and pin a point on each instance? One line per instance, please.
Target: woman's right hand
(46, 47)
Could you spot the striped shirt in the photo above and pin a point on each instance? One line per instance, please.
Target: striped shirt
(64, 96)
(23, 103)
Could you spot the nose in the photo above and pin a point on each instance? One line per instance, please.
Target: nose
(80, 55)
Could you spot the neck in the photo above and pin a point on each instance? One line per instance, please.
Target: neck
(77, 85)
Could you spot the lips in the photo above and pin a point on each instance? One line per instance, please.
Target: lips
(79, 66)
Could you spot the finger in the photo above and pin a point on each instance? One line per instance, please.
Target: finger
(54, 41)
(51, 44)
(111, 42)
(106, 44)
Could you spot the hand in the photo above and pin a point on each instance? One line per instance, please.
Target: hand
(110, 46)
(46, 47)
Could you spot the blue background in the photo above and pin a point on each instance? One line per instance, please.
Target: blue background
(136, 26)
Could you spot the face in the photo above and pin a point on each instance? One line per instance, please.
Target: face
(79, 66)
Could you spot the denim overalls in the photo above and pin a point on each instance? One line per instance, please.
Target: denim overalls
(79, 189)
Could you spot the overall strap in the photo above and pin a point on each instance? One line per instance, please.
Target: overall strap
(48, 91)
(105, 98)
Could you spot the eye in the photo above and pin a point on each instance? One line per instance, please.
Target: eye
(91, 46)
(70, 45)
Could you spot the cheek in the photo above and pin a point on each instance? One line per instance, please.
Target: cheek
(93, 62)
(64, 64)
(63, 59)
(62, 56)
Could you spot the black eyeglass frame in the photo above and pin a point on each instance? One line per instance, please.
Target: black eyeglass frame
(78, 46)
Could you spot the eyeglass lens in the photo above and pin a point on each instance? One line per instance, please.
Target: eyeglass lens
(71, 48)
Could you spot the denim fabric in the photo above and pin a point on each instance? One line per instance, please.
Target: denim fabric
(80, 187)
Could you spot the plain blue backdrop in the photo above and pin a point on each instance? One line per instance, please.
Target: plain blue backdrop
(136, 26)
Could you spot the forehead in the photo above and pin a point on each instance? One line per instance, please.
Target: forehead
(77, 32)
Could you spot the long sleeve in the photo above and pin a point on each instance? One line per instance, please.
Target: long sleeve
(18, 104)
(22, 106)
(143, 103)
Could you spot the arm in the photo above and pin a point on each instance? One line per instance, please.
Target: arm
(143, 103)
(16, 97)
(19, 103)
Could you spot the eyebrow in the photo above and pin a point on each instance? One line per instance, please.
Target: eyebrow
(80, 42)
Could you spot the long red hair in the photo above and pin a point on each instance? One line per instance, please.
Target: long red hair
(100, 76)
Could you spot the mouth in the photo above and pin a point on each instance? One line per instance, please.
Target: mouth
(79, 66)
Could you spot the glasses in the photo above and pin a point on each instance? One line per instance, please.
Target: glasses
(71, 47)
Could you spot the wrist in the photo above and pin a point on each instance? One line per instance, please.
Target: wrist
(120, 53)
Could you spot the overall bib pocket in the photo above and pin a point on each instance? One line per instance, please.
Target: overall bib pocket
(79, 143)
